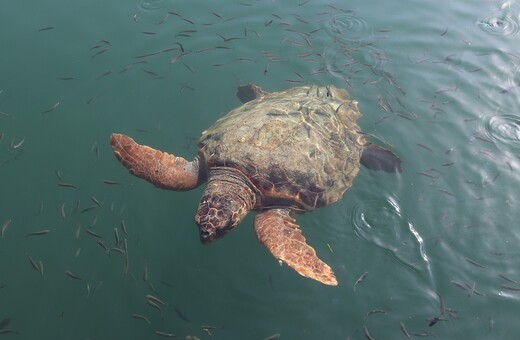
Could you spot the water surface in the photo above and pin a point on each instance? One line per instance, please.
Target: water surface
(437, 82)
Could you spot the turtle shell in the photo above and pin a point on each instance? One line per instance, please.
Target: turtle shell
(299, 147)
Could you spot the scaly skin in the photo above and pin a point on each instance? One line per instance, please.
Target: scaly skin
(160, 168)
(276, 229)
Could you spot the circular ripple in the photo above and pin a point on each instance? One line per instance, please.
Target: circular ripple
(149, 5)
(381, 222)
(348, 26)
(503, 128)
(500, 25)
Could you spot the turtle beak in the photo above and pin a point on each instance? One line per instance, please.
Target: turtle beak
(206, 235)
(209, 232)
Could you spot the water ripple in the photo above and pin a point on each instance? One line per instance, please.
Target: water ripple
(503, 22)
(382, 223)
(348, 25)
(150, 5)
(504, 129)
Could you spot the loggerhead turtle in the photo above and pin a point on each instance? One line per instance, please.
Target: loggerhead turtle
(279, 153)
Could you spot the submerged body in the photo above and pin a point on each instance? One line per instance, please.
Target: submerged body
(280, 153)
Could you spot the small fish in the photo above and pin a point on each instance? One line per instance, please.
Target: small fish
(62, 211)
(507, 278)
(8, 331)
(177, 57)
(38, 233)
(92, 233)
(475, 263)
(48, 28)
(405, 332)
(126, 264)
(188, 21)
(424, 147)
(17, 145)
(434, 320)
(67, 185)
(266, 70)
(67, 78)
(77, 233)
(116, 237)
(40, 268)
(442, 306)
(100, 52)
(167, 284)
(94, 221)
(72, 275)
(141, 317)
(147, 55)
(88, 209)
(155, 299)
(123, 227)
(361, 279)
(367, 334)
(272, 337)
(95, 201)
(375, 311)
(104, 74)
(95, 149)
(111, 182)
(516, 289)
(165, 334)
(145, 273)
(181, 315)
(4, 227)
(154, 305)
(52, 108)
(103, 246)
(58, 174)
(228, 39)
(458, 284)
(33, 264)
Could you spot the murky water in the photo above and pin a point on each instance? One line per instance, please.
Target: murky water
(437, 82)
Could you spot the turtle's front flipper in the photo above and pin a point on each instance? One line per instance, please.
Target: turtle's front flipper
(276, 229)
(160, 168)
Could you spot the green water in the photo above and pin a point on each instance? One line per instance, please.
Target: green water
(437, 81)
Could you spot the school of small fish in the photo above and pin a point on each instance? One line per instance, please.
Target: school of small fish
(84, 214)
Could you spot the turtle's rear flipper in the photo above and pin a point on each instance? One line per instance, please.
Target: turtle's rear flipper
(249, 92)
(377, 158)
(284, 239)
(160, 168)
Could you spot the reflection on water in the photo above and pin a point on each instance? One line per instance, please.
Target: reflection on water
(504, 21)
(504, 129)
(381, 222)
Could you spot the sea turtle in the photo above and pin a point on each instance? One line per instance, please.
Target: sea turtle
(280, 153)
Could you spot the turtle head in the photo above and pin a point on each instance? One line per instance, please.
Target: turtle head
(226, 201)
